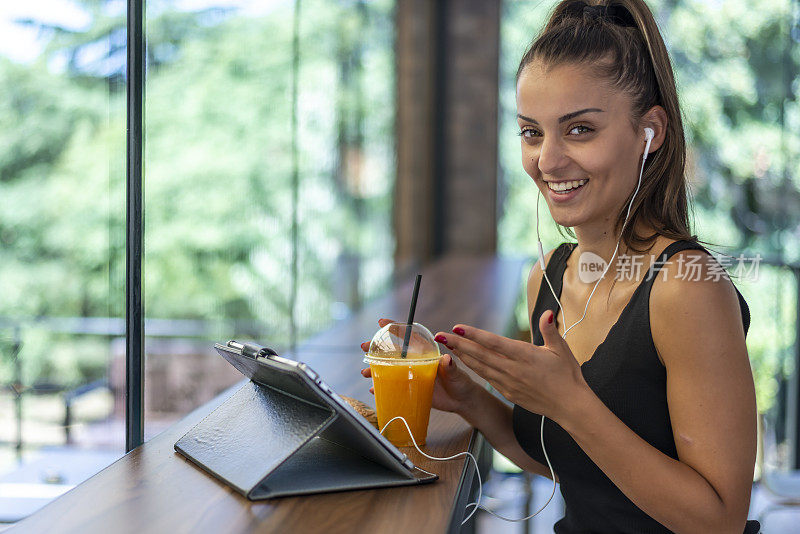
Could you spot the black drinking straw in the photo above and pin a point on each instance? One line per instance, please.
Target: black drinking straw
(411, 316)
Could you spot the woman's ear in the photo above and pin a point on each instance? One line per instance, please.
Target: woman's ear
(655, 118)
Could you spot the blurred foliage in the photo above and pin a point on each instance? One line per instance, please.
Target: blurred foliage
(218, 195)
(737, 66)
(218, 168)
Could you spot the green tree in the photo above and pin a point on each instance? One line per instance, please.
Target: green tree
(217, 173)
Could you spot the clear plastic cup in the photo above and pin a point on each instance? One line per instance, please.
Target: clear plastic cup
(403, 385)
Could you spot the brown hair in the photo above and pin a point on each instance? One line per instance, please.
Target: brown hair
(621, 42)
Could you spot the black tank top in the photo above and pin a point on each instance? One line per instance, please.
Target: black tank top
(627, 375)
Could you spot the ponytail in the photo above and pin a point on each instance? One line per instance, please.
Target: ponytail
(621, 42)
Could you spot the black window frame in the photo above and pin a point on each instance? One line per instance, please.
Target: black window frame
(134, 228)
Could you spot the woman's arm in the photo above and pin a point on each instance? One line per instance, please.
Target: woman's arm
(492, 417)
(697, 330)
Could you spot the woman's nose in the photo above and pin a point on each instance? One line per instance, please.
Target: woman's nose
(552, 157)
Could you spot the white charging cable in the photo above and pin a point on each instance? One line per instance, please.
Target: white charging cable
(476, 504)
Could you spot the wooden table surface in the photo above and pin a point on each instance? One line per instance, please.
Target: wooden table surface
(153, 489)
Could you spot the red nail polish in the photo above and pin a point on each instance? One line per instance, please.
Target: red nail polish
(458, 330)
(441, 339)
(550, 320)
(451, 362)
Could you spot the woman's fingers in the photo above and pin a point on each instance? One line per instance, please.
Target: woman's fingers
(489, 340)
(474, 351)
(367, 373)
(492, 374)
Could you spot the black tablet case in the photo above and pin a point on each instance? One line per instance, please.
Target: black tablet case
(286, 439)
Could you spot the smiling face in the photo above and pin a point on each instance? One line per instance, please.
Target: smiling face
(575, 127)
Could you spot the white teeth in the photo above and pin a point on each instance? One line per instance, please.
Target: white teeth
(565, 186)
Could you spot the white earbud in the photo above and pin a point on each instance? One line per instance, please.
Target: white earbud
(649, 134)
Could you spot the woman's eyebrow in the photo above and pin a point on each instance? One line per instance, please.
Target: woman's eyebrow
(566, 117)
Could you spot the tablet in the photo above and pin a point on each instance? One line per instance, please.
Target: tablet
(286, 432)
(263, 366)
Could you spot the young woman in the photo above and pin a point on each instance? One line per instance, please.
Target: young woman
(648, 403)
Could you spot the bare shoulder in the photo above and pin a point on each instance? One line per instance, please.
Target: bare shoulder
(693, 300)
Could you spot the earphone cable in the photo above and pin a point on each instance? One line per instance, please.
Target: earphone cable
(650, 134)
(476, 504)
(544, 273)
(608, 265)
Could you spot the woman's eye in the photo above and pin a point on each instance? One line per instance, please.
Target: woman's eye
(530, 133)
(585, 129)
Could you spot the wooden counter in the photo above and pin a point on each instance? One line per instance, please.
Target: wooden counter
(153, 489)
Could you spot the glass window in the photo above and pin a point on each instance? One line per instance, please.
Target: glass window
(62, 243)
(225, 185)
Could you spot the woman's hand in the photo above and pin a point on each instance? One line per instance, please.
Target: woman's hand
(453, 390)
(538, 378)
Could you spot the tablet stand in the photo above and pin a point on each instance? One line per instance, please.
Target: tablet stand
(267, 443)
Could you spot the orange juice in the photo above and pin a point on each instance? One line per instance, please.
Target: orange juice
(404, 387)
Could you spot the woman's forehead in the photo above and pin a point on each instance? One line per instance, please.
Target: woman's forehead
(547, 92)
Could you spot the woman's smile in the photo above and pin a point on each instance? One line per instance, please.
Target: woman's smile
(562, 192)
